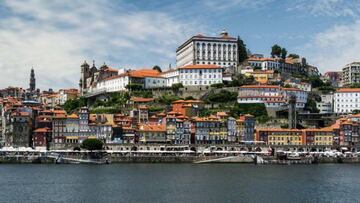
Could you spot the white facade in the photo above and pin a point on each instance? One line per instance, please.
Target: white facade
(351, 73)
(221, 51)
(154, 82)
(346, 100)
(114, 84)
(194, 75)
(264, 63)
(301, 96)
(326, 104)
(272, 96)
(171, 76)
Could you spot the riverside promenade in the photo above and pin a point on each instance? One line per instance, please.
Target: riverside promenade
(185, 154)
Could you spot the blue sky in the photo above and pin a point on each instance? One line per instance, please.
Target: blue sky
(55, 37)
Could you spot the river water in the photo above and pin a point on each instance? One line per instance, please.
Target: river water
(180, 183)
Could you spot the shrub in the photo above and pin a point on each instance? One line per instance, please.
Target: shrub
(92, 144)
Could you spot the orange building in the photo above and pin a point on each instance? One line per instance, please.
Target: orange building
(187, 108)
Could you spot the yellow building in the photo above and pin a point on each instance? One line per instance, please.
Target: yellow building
(323, 136)
(152, 133)
(282, 136)
(261, 76)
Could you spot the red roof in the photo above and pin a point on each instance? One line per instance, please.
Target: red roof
(42, 130)
(348, 90)
(141, 99)
(259, 86)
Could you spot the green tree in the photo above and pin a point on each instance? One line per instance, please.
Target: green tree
(355, 85)
(167, 99)
(257, 110)
(242, 51)
(176, 86)
(92, 144)
(275, 51)
(294, 56)
(134, 86)
(283, 53)
(217, 85)
(311, 106)
(222, 97)
(74, 104)
(189, 98)
(157, 68)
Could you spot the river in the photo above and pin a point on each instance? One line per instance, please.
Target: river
(179, 183)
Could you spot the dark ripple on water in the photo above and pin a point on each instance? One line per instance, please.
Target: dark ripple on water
(179, 183)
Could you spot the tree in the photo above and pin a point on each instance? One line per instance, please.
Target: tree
(222, 97)
(167, 99)
(275, 51)
(311, 106)
(176, 86)
(189, 98)
(134, 86)
(217, 85)
(294, 56)
(283, 53)
(257, 110)
(92, 144)
(157, 68)
(74, 104)
(242, 51)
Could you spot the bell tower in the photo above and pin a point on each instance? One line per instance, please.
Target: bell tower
(32, 80)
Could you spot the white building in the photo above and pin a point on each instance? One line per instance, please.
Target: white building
(195, 75)
(326, 105)
(199, 49)
(351, 73)
(271, 95)
(148, 78)
(264, 63)
(346, 100)
(171, 76)
(67, 94)
(301, 96)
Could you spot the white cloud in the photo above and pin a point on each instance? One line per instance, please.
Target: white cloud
(226, 4)
(55, 37)
(332, 49)
(335, 8)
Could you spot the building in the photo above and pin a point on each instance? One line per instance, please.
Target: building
(264, 63)
(67, 94)
(346, 100)
(280, 136)
(273, 96)
(200, 75)
(333, 77)
(21, 130)
(183, 131)
(187, 108)
(323, 136)
(171, 76)
(245, 126)
(326, 105)
(351, 74)
(210, 130)
(41, 138)
(152, 133)
(262, 77)
(200, 49)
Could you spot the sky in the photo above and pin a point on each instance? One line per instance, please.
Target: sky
(55, 37)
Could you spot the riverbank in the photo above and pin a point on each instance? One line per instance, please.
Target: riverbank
(247, 159)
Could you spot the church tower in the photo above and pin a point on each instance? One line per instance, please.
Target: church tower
(32, 80)
(85, 73)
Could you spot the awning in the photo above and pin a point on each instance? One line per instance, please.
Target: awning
(72, 137)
